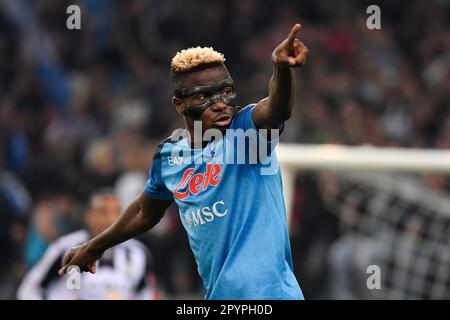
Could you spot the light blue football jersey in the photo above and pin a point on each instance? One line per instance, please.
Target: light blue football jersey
(233, 213)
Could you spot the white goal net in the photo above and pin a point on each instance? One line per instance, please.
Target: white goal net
(386, 217)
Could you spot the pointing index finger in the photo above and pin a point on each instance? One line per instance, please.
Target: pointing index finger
(293, 32)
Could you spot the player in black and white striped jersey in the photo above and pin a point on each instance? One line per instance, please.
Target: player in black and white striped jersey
(124, 271)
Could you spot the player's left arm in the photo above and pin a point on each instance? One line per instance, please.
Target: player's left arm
(273, 111)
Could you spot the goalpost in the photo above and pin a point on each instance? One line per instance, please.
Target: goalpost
(295, 157)
(389, 218)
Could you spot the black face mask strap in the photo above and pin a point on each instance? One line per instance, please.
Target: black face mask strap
(189, 91)
(195, 112)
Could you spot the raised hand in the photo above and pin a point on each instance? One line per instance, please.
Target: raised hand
(291, 52)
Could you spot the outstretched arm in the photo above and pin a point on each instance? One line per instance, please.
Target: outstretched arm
(140, 216)
(273, 111)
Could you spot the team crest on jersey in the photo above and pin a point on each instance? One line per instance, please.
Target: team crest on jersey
(196, 183)
(175, 161)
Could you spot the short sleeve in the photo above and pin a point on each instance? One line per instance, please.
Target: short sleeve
(244, 121)
(155, 187)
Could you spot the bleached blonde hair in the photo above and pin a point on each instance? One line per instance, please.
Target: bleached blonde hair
(188, 59)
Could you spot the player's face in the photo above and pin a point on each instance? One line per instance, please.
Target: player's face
(207, 84)
(102, 214)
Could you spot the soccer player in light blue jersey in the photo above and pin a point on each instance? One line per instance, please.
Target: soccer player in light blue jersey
(224, 176)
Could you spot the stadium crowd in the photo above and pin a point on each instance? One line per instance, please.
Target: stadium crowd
(85, 109)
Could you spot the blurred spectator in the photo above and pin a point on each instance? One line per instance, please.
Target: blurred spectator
(51, 218)
(124, 272)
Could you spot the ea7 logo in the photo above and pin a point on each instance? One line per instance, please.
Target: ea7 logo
(175, 161)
